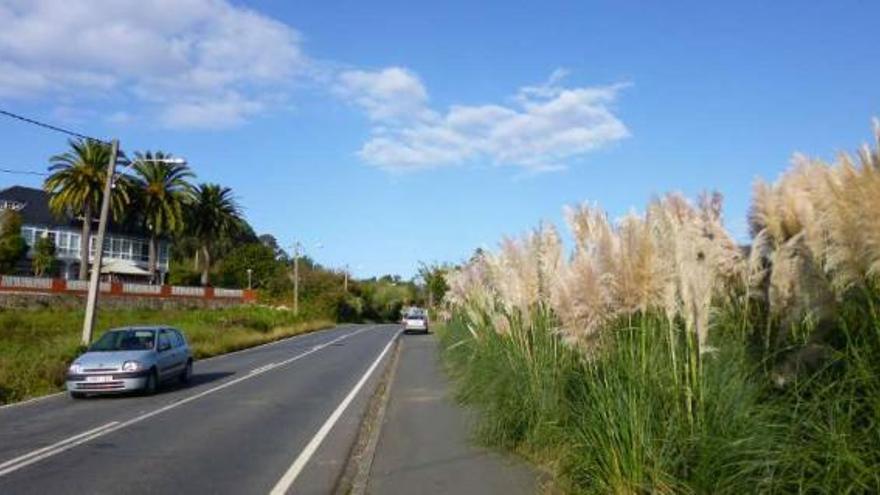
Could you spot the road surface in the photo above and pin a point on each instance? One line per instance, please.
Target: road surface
(280, 417)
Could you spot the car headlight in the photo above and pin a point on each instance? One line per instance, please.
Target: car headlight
(75, 369)
(131, 366)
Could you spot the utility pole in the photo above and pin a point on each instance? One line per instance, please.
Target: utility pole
(345, 280)
(296, 247)
(92, 299)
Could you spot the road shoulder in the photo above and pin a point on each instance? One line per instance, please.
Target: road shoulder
(424, 445)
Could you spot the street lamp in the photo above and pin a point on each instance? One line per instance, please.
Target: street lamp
(249, 272)
(94, 278)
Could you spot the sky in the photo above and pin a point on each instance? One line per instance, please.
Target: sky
(382, 134)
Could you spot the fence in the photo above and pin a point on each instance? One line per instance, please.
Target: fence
(9, 283)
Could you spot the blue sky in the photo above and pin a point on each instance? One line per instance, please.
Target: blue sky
(394, 132)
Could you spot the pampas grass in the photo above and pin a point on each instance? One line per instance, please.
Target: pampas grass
(657, 355)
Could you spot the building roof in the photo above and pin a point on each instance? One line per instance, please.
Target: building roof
(35, 211)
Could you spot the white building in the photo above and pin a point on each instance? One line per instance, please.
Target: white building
(126, 249)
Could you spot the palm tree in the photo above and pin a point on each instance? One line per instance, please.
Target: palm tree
(214, 215)
(163, 190)
(76, 184)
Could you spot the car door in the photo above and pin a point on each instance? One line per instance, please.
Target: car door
(168, 361)
(185, 353)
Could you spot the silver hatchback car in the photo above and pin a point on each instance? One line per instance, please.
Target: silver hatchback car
(131, 359)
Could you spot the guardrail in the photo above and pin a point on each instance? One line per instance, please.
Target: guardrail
(14, 283)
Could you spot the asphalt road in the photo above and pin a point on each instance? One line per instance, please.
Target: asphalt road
(274, 417)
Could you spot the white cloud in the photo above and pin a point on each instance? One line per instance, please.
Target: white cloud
(546, 126)
(391, 94)
(200, 62)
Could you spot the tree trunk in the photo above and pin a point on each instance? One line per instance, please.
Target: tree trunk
(84, 242)
(153, 252)
(206, 266)
(196, 259)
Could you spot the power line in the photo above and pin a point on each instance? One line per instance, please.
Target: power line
(22, 172)
(51, 127)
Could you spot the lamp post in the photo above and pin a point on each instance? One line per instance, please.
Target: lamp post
(95, 276)
(249, 272)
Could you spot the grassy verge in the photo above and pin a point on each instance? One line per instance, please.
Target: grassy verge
(37, 346)
(645, 414)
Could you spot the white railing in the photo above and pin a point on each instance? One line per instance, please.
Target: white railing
(78, 285)
(141, 289)
(235, 293)
(83, 285)
(177, 290)
(14, 282)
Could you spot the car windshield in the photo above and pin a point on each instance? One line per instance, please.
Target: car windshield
(125, 340)
(415, 317)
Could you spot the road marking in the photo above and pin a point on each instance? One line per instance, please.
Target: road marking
(22, 458)
(291, 474)
(263, 368)
(37, 455)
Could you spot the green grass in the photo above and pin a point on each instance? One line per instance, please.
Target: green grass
(37, 346)
(645, 414)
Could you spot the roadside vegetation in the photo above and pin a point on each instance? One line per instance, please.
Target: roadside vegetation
(658, 356)
(36, 347)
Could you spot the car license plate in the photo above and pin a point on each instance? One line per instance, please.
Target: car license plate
(99, 379)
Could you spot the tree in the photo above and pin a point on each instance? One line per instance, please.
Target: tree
(12, 245)
(271, 242)
(434, 277)
(214, 215)
(44, 256)
(259, 258)
(76, 187)
(162, 189)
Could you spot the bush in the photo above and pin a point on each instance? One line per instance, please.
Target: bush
(623, 422)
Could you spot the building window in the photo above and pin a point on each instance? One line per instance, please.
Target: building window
(29, 234)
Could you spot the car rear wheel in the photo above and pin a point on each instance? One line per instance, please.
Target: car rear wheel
(152, 383)
(77, 395)
(187, 372)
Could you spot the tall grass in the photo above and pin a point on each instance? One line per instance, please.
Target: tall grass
(661, 357)
(37, 346)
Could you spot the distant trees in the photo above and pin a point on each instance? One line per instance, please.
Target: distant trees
(434, 277)
(76, 184)
(162, 191)
(12, 245)
(213, 215)
(266, 271)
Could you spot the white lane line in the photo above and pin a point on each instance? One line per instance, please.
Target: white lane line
(264, 368)
(290, 476)
(69, 443)
(55, 445)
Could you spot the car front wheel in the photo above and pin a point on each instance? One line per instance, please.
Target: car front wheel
(77, 395)
(152, 383)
